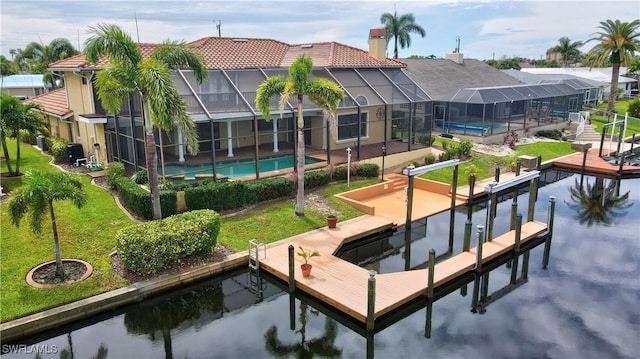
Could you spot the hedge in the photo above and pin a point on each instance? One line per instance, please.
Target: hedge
(138, 200)
(317, 178)
(148, 247)
(58, 148)
(369, 170)
(217, 196)
(268, 189)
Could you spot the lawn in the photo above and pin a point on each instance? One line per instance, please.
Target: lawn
(86, 233)
(633, 124)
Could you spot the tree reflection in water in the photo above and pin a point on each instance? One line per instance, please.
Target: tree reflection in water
(597, 203)
(323, 347)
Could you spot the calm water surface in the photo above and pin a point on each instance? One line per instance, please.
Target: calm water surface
(585, 305)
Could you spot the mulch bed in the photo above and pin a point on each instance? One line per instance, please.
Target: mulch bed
(47, 273)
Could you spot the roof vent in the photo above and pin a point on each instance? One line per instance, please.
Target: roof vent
(306, 46)
(240, 40)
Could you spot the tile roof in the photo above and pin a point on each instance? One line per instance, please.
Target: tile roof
(54, 103)
(244, 53)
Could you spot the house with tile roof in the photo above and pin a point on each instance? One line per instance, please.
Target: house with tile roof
(379, 98)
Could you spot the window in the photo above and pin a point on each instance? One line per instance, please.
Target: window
(348, 126)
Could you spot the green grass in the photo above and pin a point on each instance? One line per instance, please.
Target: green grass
(486, 164)
(275, 221)
(633, 124)
(86, 233)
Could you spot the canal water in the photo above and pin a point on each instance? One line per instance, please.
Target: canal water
(584, 305)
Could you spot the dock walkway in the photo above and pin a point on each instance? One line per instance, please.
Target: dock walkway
(343, 285)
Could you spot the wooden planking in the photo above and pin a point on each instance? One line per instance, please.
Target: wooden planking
(594, 164)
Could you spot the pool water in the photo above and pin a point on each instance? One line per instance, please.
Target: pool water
(232, 169)
(584, 305)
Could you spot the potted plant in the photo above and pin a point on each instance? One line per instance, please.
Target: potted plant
(306, 254)
(332, 220)
(513, 163)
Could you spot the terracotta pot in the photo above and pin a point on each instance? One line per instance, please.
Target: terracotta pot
(332, 221)
(306, 269)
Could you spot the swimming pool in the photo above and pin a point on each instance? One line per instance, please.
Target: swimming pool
(472, 128)
(232, 169)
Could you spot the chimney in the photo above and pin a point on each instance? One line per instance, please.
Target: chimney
(455, 57)
(378, 43)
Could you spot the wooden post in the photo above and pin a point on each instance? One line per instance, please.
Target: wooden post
(432, 266)
(491, 209)
(292, 311)
(547, 243)
(292, 272)
(478, 269)
(532, 200)
(496, 176)
(601, 143)
(516, 249)
(371, 300)
(427, 325)
(467, 224)
(452, 216)
(525, 265)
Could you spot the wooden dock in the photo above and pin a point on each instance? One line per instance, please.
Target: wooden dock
(594, 165)
(344, 285)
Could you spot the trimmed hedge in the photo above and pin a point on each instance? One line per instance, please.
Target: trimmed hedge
(317, 178)
(112, 172)
(148, 247)
(138, 200)
(217, 196)
(269, 188)
(369, 170)
(58, 148)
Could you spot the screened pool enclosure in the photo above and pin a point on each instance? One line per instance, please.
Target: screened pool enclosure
(380, 105)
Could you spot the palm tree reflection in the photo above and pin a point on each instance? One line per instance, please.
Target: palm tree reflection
(597, 203)
(323, 347)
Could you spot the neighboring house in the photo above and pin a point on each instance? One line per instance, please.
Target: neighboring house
(472, 99)
(599, 74)
(56, 110)
(23, 86)
(593, 94)
(379, 96)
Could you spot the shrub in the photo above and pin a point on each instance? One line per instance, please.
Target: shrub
(464, 147)
(339, 173)
(369, 170)
(634, 108)
(58, 148)
(430, 159)
(510, 139)
(27, 137)
(140, 177)
(317, 178)
(444, 156)
(112, 172)
(148, 247)
(554, 134)
(269, 188)
(138, 200)
(217, 196)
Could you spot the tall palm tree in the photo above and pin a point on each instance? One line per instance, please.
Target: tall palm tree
(570, 51)
(323, 92)
(400, 29)
(617, 44)
(128, 73)
(597, 203)
(17, 116)
(36, 57)
(36, 196)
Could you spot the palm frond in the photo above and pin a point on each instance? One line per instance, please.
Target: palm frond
(109, 40)
(177, 56)
(272, 86)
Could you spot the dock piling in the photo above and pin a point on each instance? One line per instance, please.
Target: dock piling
(432, 267)
(478, 269)
(516, 249)
(452, 215)
(371, 300)
(491, 210)
(547, 243)
(292, 272)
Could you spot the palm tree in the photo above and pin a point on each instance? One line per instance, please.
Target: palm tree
(617, 44)
(36, 57)
(597, 203)
(323, 92)
(37, 194)
(128, 73)
(323, 346)
(17, 116)
(399, 28)
(569, 50)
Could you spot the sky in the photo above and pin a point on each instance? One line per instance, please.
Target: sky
(487, 29)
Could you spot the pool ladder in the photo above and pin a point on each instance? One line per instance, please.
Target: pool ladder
(254, 253)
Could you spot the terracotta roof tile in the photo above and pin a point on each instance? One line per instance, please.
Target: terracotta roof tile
(244, 53)
(54, 102)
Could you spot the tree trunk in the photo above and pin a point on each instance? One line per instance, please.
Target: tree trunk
(395, 49)
(56, 243)
(151, 156)
(5, 149)
(613, 90)
(300, 161)
(18, 153)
